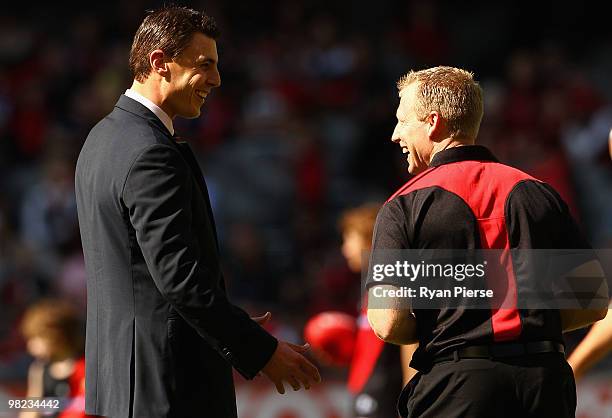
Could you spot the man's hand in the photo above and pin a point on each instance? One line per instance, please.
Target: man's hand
(289, 365)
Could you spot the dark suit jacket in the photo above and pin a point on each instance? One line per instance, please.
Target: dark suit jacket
(161, 333)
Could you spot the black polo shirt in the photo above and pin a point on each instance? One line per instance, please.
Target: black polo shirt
(467, 199)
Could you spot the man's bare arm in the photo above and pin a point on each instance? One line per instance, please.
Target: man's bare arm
(390, 321)
(594, 347)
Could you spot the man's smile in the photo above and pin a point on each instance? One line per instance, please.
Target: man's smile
(201, 94)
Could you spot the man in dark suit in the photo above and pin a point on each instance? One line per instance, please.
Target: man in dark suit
(161, 333)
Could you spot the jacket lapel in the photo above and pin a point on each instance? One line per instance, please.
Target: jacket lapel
(132, 106)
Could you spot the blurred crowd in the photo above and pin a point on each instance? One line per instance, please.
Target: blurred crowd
(298, 132)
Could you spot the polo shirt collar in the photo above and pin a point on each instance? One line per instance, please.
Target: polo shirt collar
(463, 153)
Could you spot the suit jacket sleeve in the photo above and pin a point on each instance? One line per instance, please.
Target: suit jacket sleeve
(157, 194)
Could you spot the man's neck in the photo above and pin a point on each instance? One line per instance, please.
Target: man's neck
(145, 90)
(147, 98)
(153, 94)
(449, 143)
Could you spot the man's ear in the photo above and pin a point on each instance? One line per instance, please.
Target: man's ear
(158, 62)
(435, 125)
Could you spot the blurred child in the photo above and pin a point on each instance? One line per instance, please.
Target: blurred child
(54, 337)
(378, 371)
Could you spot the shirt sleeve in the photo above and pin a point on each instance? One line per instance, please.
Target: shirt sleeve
(546, 244)
(538, 218)
(388, 239)
(390, 231)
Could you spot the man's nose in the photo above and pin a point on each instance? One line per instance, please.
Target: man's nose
(395, 136)
(215, 80)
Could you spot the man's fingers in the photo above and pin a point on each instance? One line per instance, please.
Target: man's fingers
(299, 348)
(295, 384)
(292, 368)
(310, 370)
(262, 320)
(279, 387)
(304, 379)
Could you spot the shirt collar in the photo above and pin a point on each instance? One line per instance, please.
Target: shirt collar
(157, 111)
(462, 153)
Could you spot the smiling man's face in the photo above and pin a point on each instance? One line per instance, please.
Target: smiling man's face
(193, 74)
(411, 133)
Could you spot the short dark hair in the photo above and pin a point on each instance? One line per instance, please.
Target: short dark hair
(169, 29)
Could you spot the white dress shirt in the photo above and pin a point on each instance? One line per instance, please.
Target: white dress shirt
(157, 111)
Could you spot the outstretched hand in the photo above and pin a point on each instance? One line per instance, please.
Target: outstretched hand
(288, 364)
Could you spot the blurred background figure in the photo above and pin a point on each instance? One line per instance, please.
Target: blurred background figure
(594, 347)
(54, 336)
(598, 342)
(377, 371)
